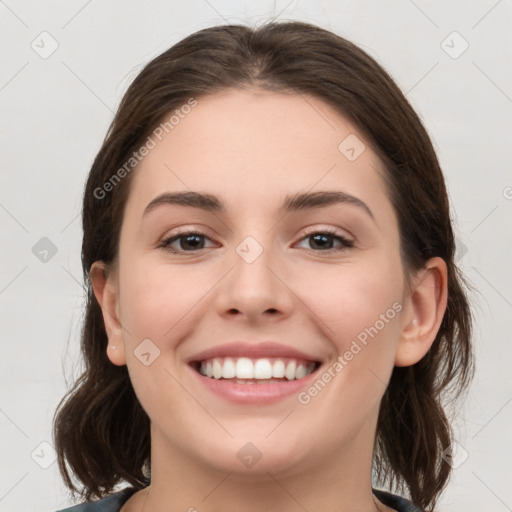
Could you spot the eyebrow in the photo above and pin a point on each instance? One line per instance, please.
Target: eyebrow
(292, 203)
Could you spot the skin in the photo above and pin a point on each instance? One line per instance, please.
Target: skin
(251, 148)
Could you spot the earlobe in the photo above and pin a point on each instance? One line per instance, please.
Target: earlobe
(106, 292)
(426, 305)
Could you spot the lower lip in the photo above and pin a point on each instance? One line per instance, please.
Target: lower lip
(254, 393)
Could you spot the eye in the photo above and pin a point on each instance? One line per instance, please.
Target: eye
(188, 241)
(193, 241)
(324, 239)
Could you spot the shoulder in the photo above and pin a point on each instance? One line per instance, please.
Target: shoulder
(397, 502)
(111, 503)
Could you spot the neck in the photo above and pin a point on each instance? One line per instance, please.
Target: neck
(336, 482)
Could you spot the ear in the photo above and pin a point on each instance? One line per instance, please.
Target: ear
(425, 308)
(106, 288)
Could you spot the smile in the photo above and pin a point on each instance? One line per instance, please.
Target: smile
(262, 381)
(244, 370)
(262, 372)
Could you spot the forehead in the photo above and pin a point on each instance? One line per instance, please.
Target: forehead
(258, 144)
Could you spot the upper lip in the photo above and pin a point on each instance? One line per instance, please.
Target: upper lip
(252, 350)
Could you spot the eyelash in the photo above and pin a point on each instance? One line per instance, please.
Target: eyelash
(347, 244)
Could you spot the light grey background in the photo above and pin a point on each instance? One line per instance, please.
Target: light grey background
(55, 113)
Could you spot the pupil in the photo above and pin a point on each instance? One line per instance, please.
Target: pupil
(191, 237)
(317, 237)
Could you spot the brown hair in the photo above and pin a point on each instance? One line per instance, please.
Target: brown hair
(100, 429)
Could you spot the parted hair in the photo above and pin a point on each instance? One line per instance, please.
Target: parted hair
(101, 432)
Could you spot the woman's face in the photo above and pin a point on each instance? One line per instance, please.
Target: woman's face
(260, 287)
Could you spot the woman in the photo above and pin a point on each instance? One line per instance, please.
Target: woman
(274, 311)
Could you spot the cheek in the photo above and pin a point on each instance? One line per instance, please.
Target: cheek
(156, 302)
(351, 300)
(360, 313)
(160, 304)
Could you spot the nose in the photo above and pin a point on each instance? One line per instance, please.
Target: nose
(256, 287)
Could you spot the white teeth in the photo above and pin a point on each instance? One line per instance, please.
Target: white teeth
(217, 369)
(229, 368)
(278, 369)
(243, 369)
(289, 373)
(262, 369)
(302, 371)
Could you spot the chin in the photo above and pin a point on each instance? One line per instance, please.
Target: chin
(256, 456)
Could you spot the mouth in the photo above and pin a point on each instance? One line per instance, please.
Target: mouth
(246, 370)
(262, 372)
